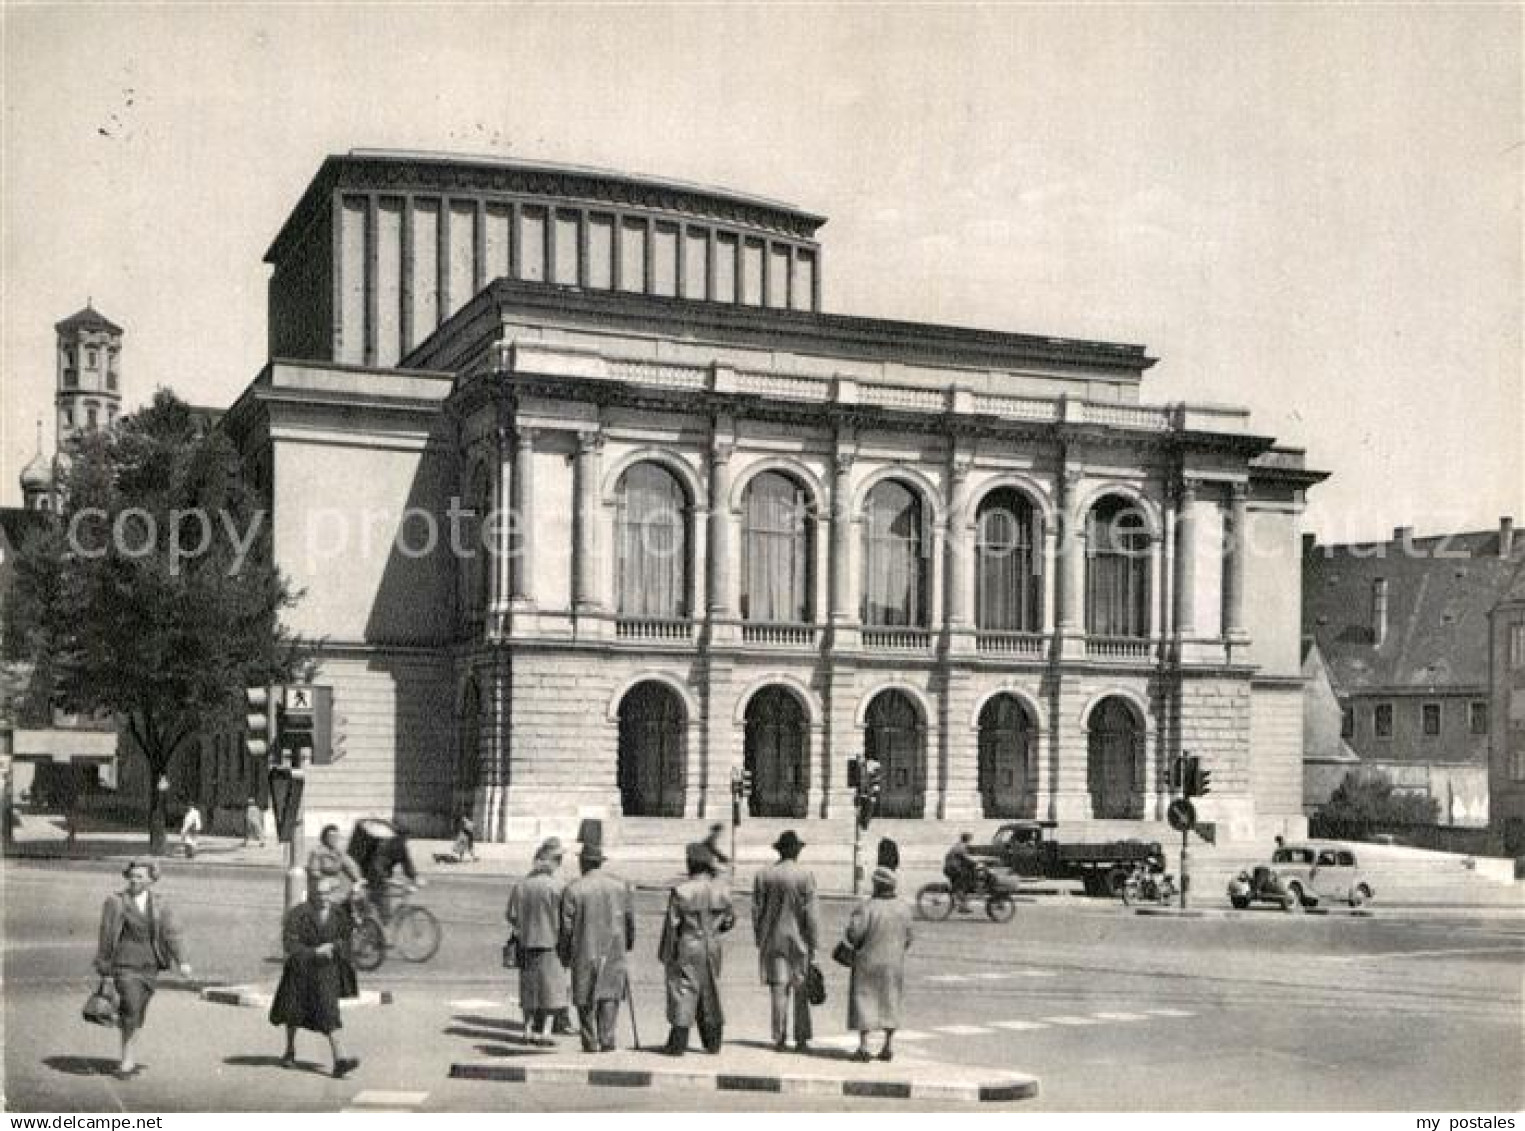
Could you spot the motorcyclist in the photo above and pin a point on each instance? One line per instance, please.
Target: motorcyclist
(962, 871)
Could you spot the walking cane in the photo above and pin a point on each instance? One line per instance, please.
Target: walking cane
(635, 1032)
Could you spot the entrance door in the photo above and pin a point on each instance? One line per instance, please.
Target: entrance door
(1112, 755)
(652, 752)
(895, 740)
(775, 754)
(1005, 739)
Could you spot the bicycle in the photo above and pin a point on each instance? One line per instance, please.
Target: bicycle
(414, 931)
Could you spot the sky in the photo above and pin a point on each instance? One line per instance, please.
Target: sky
(1311, 211)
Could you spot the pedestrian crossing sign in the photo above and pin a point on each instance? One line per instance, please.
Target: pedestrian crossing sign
(299, 699)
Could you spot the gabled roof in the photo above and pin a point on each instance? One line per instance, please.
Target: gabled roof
(1440, 591)
(87, 319)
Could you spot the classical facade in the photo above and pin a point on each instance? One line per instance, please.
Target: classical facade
(701, 525)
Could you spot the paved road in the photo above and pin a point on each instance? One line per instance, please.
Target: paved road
(1404, 1011)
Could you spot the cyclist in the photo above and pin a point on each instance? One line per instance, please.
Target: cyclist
(388, 855)
(962, 871)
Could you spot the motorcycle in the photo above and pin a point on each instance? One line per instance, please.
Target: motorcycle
(936, 901)
(1145, 886)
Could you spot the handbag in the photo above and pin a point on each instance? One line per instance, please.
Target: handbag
(815, 985)
(511, 956)
(844, 954)
(102, 1006)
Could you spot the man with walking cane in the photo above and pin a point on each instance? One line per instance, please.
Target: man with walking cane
(597, 929)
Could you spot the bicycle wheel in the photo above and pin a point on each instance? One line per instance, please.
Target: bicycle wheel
(368, 945)
(416, 934)
(935, 901)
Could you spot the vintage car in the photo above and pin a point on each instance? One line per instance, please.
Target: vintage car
(1303, 875)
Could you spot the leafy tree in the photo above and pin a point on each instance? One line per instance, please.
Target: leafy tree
(154, 596)
(1366, 801)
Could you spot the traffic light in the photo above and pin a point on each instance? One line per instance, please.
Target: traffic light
(855, 773)
(260, 732)
(1195, 778)
(1177, 775)
(870, 786)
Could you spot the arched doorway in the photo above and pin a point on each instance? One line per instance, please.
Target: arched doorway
(652, 751)
(468, 758)
(895, 739)
(775, 754)
(1006, 741)
(1114, 743)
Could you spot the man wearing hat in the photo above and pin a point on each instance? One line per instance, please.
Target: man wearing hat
(597, 928)
(786, 924)
(534, 915)
(698, 914)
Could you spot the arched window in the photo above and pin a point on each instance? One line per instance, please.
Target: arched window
(895, 558)
(1006, 745)
(652, 529)
(652, 751)
(1117, 569)
(1114, 748)
(896, 740)
(1008, 580)
(775, 754)
(775, 551)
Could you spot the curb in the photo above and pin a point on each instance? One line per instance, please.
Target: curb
(248, 997)
(1266, 913)
(1002, 1088)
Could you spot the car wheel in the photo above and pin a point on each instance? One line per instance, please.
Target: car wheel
(1293, 901)
(1116, 878)
(1240, 902)
(1360, 896)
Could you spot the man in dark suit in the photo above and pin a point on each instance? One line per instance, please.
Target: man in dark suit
(597, 929)
(786, 924)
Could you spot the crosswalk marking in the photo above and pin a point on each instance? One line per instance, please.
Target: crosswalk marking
(1067, 1019)
(988, 976)
(1122, 1016)
(1019, 1026)
(478, 1003)
(378, 1100)
(1170, 1013)
(962, 1030)
(947, 978)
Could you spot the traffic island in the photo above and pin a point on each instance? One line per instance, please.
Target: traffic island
(256, 997)
(744, 1067)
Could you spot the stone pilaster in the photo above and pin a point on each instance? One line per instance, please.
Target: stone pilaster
(1186, 559)
(722, 605)
(588, 591)
(844, 597)
(523, 518)
(959, 541)
(1234, 544)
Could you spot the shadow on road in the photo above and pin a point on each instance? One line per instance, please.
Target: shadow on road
(81, 1065)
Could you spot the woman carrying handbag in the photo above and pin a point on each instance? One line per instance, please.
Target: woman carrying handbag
(877, 937)
(139, 937)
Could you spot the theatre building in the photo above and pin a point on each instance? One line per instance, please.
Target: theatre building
(706, 525)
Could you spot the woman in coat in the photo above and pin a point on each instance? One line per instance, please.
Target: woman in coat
(316, 938)
(879, 930)
(698, 913)
(534, 913)
(328, 859)
(139, 937)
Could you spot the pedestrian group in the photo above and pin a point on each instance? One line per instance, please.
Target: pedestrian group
(570, 941)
